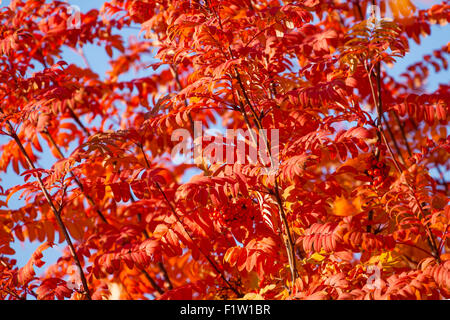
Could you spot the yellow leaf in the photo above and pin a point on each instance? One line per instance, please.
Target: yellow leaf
(288, 190)
(299, 231)
(286, 194)
(385, 260)
(253, 296)
(317, 257)
(267, 288)
(343, 207)
(401, 7)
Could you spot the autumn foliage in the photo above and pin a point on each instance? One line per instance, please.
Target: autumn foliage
(358, 208)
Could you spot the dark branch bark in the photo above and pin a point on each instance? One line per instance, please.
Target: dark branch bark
(55, 210)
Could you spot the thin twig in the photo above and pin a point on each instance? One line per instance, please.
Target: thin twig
(12, 293)
(56, 211)
(211, 262)
(187, 232)
(160, 264)
(77, 120)
(288, 240)
(377, 100)
(165, 274)
(153, 282)
(78, 182)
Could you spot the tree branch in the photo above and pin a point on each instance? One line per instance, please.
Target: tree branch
(287, 236)
(77, 181)
(378, 101)
(208, 258)
(56, 211)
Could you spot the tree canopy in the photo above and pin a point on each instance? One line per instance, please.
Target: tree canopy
(333, 185)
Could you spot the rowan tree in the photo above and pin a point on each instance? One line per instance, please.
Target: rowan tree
(356, 208)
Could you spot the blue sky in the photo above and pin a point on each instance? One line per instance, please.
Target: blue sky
(99, 61)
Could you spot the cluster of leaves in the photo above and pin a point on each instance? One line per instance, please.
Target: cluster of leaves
(362, 155)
